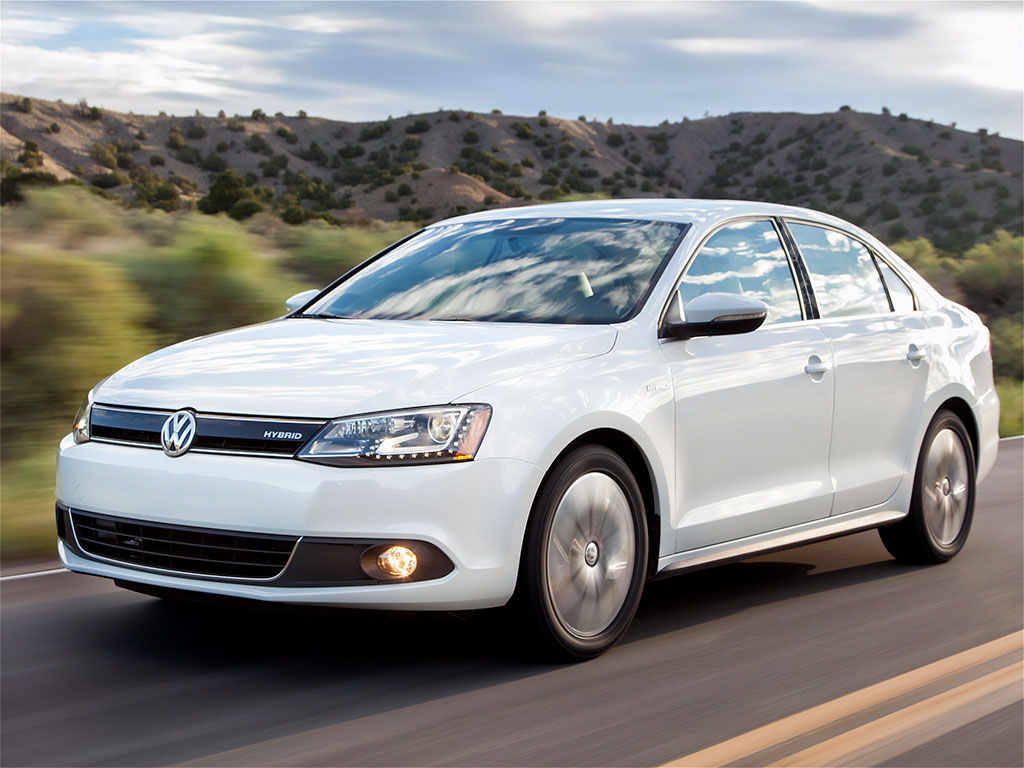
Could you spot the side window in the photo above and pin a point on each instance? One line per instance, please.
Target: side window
(842, 272)
(745, 258)
(899, 292)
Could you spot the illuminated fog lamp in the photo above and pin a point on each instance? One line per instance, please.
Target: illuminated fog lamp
(397, 561)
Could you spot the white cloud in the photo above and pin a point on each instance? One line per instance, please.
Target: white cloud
(24, 28)
(192, 66)
(971, 43)
(731, 46)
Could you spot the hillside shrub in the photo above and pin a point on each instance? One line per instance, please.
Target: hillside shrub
(256, 143)
(108, 180)
(314, 153)
(470, 137)
(373, 132)
(522, 130)
(214, 163)
(419, 125)
(197, 131)
(350, 151)
(189, 155)
(615, 139)
(411, 144)
(174, 138)
(288, 135)
(227, 190)
(104, 154)
(660, 142)
(157, 160)
(151, 189)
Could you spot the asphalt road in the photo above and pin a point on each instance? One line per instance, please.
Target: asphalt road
(92, 675)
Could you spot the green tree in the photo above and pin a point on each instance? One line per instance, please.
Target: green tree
(227, 190)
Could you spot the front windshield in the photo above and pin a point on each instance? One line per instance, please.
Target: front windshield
(525, 270)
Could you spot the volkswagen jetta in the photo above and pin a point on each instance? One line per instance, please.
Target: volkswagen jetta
(552, 404)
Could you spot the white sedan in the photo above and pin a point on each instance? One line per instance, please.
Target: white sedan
(546, 406)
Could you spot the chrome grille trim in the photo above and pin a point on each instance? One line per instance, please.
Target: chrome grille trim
(212, 428)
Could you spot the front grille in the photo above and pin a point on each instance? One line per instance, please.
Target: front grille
(199, 551)
(214, 433)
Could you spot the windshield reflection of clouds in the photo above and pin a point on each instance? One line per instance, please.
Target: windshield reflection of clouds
(538, 270)
(842, 272)
(746, 258)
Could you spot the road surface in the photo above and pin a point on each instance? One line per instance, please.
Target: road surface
(832, 646)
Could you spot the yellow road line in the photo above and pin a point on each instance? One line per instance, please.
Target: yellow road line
(840, 749)
(830, 712)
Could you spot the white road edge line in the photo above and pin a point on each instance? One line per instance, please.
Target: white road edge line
(32, 574)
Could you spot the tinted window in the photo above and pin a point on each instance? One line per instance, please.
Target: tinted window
(899, 291)
(530, 270)
(745, 258)
(842, 271)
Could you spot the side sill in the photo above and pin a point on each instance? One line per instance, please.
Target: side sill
(763, 543)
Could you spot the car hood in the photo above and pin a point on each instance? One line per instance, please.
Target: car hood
(324, 368)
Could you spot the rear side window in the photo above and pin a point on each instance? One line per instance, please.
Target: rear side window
(745, 258)
(900, 294)
(843, 274)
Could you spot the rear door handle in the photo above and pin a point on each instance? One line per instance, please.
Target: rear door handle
(915, 354)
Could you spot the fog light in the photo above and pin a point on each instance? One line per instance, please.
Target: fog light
(397, 561)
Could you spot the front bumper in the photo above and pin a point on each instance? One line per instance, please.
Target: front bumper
(474, 513)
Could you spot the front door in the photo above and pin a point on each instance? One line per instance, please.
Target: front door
(754, 410)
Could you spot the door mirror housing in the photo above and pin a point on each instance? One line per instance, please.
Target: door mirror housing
(712, 314)
(300, 300)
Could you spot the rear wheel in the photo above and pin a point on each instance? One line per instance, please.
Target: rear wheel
(942, 506)
(585, 557)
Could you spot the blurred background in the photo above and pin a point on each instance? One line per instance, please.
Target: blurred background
(147, 147)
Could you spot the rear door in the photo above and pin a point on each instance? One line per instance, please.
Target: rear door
(881, 363)
(753, 410)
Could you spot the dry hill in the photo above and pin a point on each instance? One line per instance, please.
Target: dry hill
(897, 176)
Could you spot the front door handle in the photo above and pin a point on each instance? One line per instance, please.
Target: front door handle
(816, 366)
(915, 354)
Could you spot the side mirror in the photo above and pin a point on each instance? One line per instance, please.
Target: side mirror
(300, 300)
(712, 314)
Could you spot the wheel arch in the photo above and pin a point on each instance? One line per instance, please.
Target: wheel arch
(965, 413)
(631, 453)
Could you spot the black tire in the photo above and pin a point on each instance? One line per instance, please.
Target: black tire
(585, 470)
(919, 538)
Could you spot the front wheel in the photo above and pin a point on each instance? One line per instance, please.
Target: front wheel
(942, 505)
(585, 557)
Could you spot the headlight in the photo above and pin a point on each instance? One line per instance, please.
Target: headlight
(80, 429)
(420, 436)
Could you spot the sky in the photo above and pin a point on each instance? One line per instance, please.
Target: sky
(634, 62)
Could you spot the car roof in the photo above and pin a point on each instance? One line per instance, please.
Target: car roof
(678, 211)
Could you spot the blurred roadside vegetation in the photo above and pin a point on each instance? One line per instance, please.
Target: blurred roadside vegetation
(87, 286)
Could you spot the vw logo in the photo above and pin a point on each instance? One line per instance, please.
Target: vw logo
(178, 432)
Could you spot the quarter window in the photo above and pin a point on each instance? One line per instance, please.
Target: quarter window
(899, 293)
(745, 258)
(842, 271)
